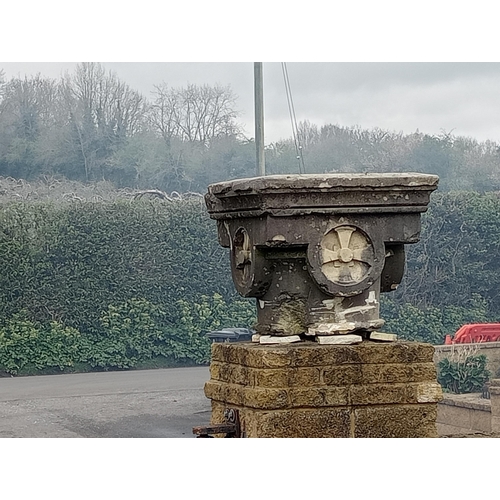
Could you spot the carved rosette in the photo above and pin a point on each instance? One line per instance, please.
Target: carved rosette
(248, 267)
(347, 254)
(346, 259)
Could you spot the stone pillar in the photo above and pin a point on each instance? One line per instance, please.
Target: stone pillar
(316, 251)
(369, 390)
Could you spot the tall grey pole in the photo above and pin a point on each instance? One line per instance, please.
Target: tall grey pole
(259, 118)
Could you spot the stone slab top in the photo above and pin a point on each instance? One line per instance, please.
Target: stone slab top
(325, 182)
(282, 195)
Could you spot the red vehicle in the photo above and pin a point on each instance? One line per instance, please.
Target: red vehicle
(478, 332)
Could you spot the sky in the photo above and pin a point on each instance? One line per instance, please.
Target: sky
(431, 66)
(432, 97)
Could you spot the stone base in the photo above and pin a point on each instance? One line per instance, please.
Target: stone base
(311, 390)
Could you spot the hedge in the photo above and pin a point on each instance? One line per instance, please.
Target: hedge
(117, 283)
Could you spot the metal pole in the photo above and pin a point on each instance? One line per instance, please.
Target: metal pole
(259, 118)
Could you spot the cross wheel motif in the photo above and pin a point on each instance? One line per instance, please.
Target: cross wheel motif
(242, 253)
(347, 255)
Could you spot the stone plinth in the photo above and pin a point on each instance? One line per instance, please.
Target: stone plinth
(310, 390)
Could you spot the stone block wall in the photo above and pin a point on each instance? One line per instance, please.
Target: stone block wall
(495, 405)
(310, 390)
(462, 414)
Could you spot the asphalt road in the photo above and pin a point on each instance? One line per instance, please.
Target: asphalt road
(164, 403)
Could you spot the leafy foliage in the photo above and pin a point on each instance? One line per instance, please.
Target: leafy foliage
(134, 279)
(211, 313)
(116, 281)
(432, 323)
(463, 373)
(26, 344)
(457, 261)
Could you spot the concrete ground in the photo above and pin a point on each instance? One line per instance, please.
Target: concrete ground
(162, 403)
(159, 403)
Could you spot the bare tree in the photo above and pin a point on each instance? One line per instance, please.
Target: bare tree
(28, 104)
(104, 102)
(195, 113)
(102, 111)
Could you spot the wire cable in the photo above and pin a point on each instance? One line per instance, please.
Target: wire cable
(293, 119)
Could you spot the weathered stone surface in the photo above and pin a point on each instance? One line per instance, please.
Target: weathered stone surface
(304, 423)
(282, 377)
(317, 251)
(277, 194)
(272, 398)
(332, 328)
(253, 355)
(376, 394)
(342, 374)
(335, 375)
(429, 392)
(254, 397)
(382, 336)
(393, 421)
(232, 373)
(339, 339)
(390, 373)
(295, 397)
(229, 393)
(266, 377)
(269, 339)
(495, 424)
(396, 421)
(495, 398)
(318, 397)
(312, 354)
(297, 242)
(272, 383)
(397, 352)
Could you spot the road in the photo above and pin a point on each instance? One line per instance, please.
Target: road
(163, 403)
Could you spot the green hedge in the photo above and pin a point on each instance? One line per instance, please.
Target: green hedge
(117, 284)
(68, 262)
(112, 284)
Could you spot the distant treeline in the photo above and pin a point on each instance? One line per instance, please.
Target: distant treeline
(89, 126)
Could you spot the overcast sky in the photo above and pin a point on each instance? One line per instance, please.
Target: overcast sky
(398, 96)
(432, 97)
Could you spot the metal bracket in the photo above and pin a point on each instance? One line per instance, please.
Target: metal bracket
(231, 427)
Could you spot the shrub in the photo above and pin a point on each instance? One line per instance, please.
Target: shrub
(208, 314)
(120, 282)
(26, 345)
(464, 372)
(431, 324)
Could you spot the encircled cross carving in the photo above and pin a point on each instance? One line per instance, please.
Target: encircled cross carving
(242, 251)
(347, 255)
